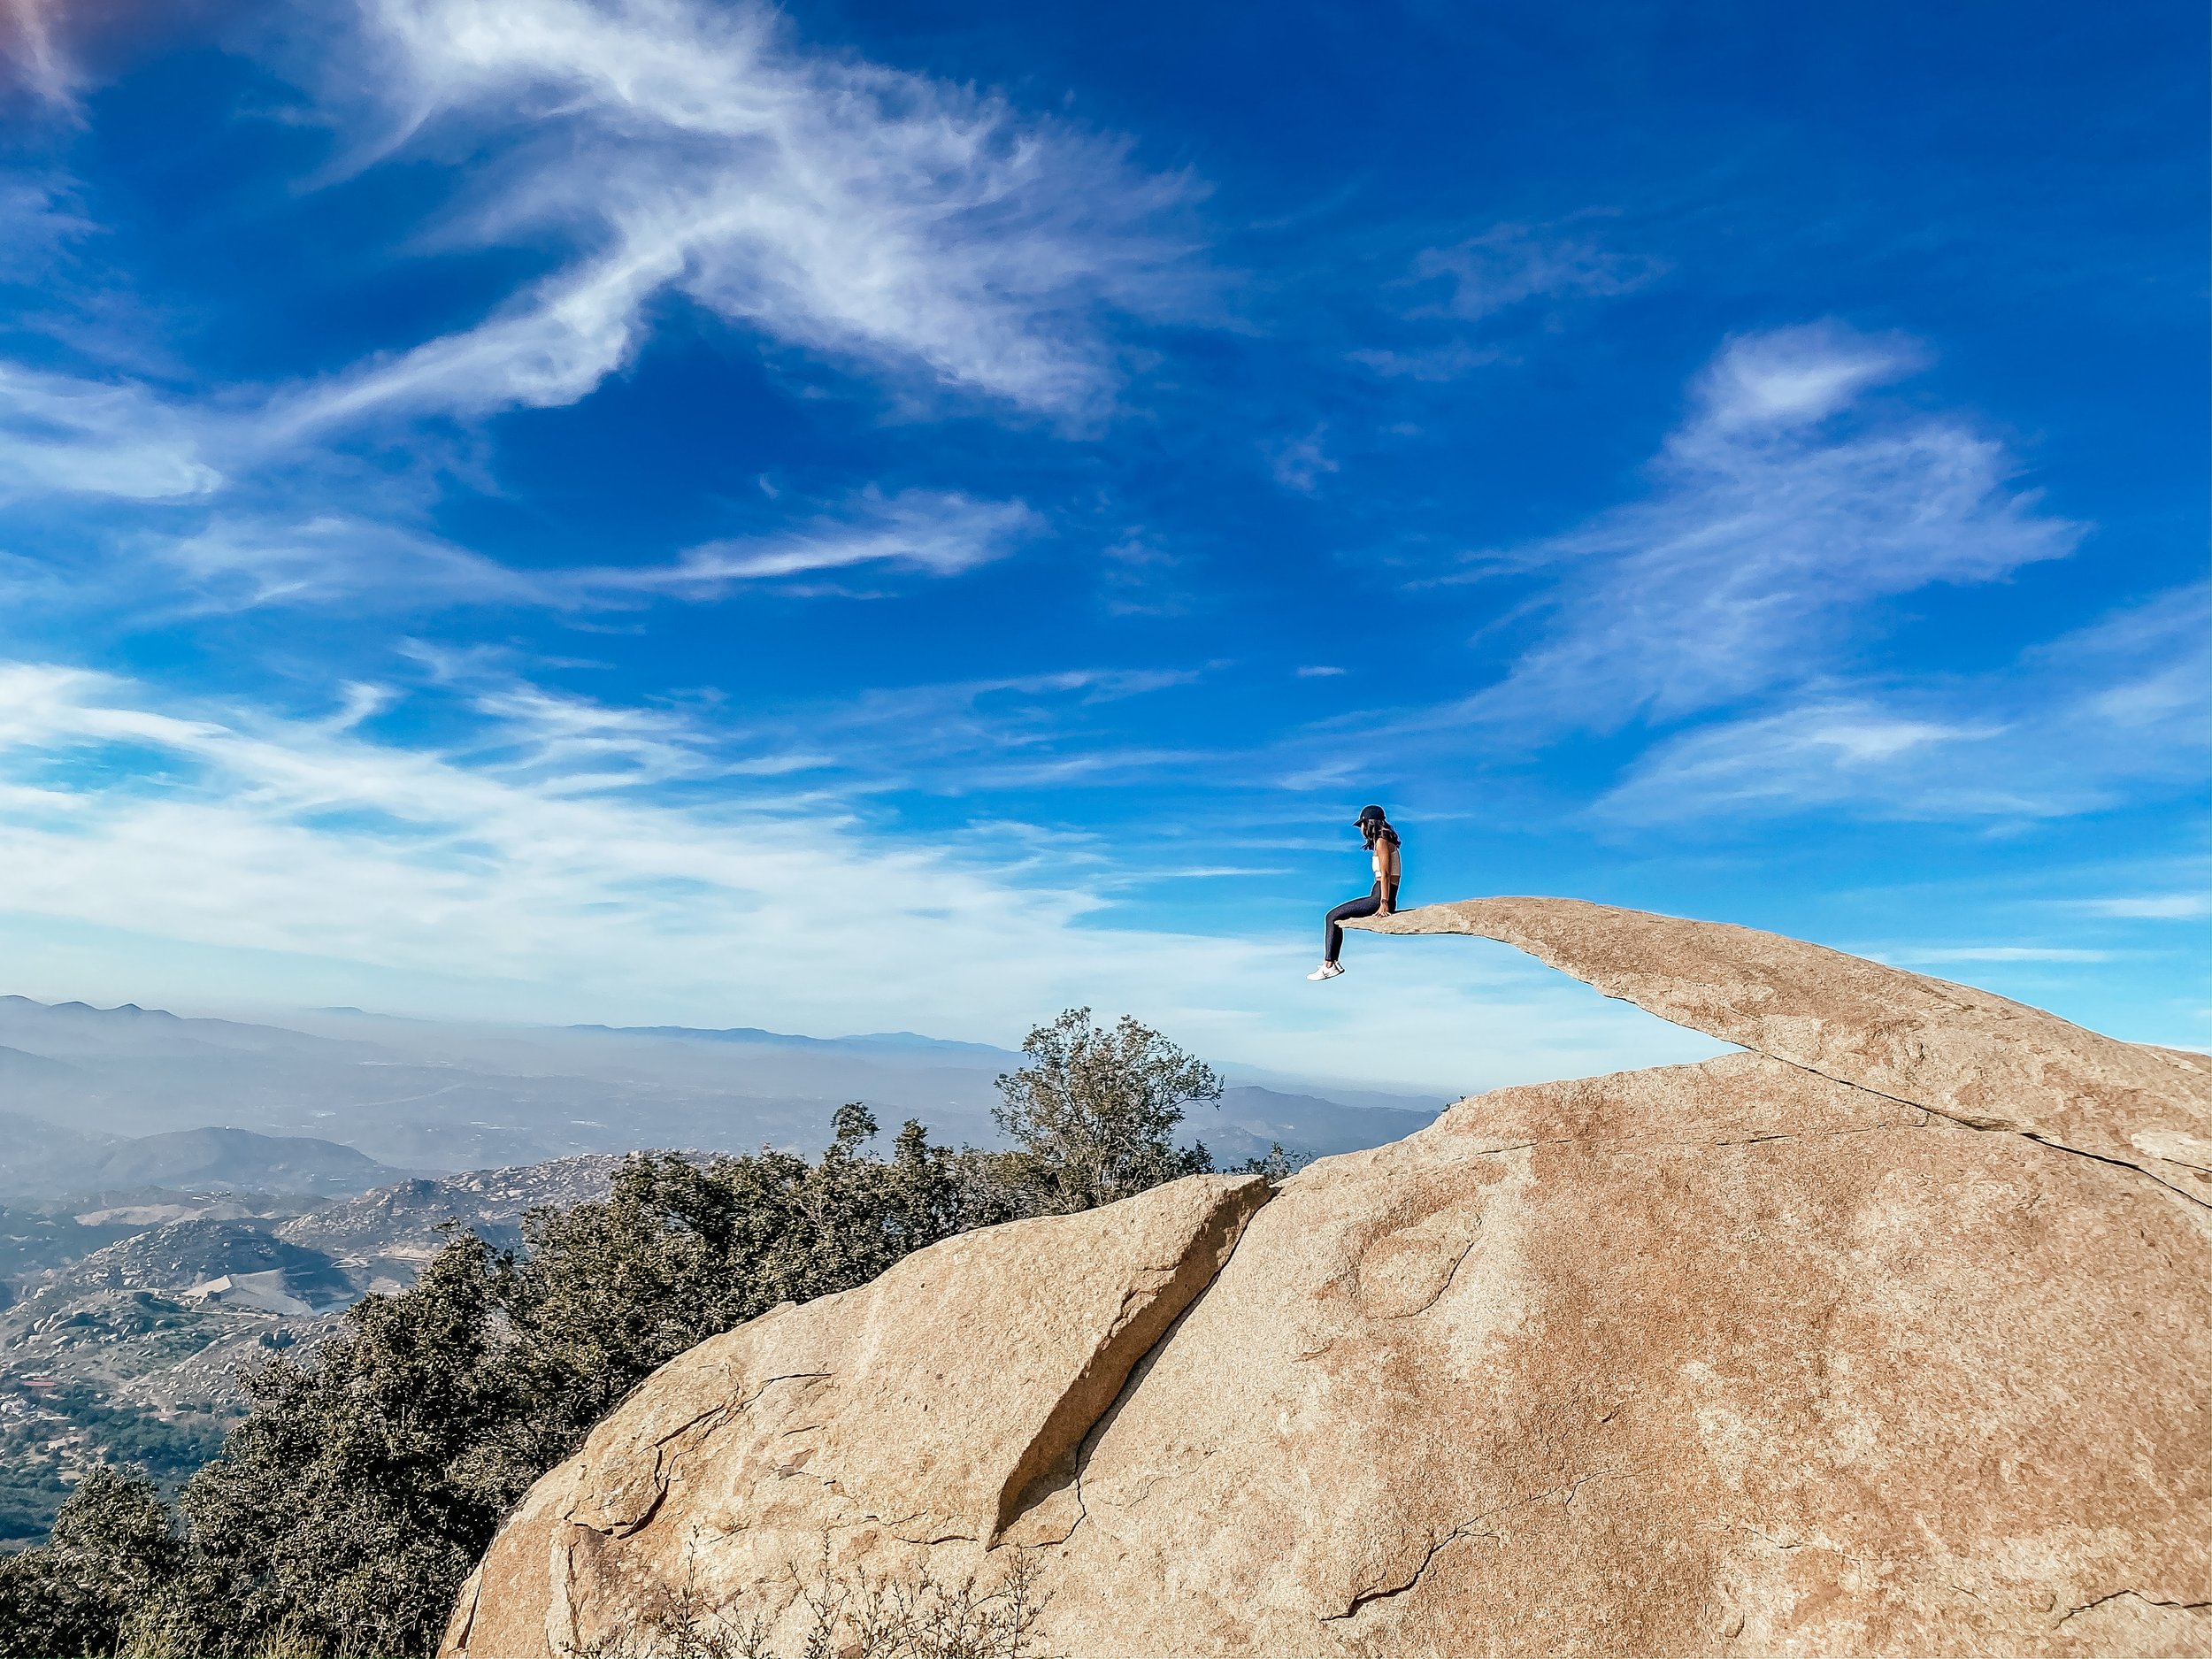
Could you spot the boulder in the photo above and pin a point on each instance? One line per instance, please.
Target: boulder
(1890, 1335)
(935, 1406)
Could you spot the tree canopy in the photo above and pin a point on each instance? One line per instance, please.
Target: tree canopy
(1094, 1112)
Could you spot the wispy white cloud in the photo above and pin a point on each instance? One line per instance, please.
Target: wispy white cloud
(241, 561)
(1143, 574)
(549, 347)
(1777, 519)
(1510, 265)
(236, 560)
(832, 203)
(60, 433)
(971, 737)
(960, 738)
(1731, 608)
(2100, 717)
(37, 221)
(539, 845)
(1446, 362)
(1302, 462)
(31, 47)
(661, 147)
(1822, 753)
(572, 747)
(1997, 953)
(940, 533)
(1510, 274)
(2155, 907)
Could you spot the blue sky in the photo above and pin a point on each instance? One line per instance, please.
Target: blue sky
(912, 516)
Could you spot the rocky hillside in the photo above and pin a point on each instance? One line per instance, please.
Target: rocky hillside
(1886, 1336)
(379, 1240)
(131, 1320)
(37, 1156)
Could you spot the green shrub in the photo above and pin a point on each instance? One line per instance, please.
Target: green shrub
(112, 1549)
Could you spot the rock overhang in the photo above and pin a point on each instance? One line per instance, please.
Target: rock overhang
(1967, 1054)
(1764, 1354)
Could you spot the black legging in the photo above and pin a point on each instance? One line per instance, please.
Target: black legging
(1350, 910)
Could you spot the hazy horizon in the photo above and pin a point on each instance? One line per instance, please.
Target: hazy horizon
(1499, 1017)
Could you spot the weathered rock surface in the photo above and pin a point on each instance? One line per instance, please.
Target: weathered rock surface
(1779, 1353)
(1987, 1061)
(933, 1406)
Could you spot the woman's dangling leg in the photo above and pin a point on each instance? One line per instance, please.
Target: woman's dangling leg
(1332, 934)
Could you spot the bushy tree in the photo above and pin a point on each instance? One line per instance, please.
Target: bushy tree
(111, 1548)
(351, 1502)
(1094, 1112)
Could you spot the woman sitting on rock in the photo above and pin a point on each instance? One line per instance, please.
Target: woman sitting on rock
(1382, 849)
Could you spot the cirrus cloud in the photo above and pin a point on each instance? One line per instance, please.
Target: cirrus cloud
(922, 228)
(63, 434)
(1783, 509)
(2111, 713)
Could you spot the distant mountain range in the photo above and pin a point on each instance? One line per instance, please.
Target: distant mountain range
(98, 1099)
(41, 1157)
(901, 1042)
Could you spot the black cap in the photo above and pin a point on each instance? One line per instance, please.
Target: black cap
(1370, 815)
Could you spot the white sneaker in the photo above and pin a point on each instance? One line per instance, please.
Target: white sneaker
(1326, 971)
